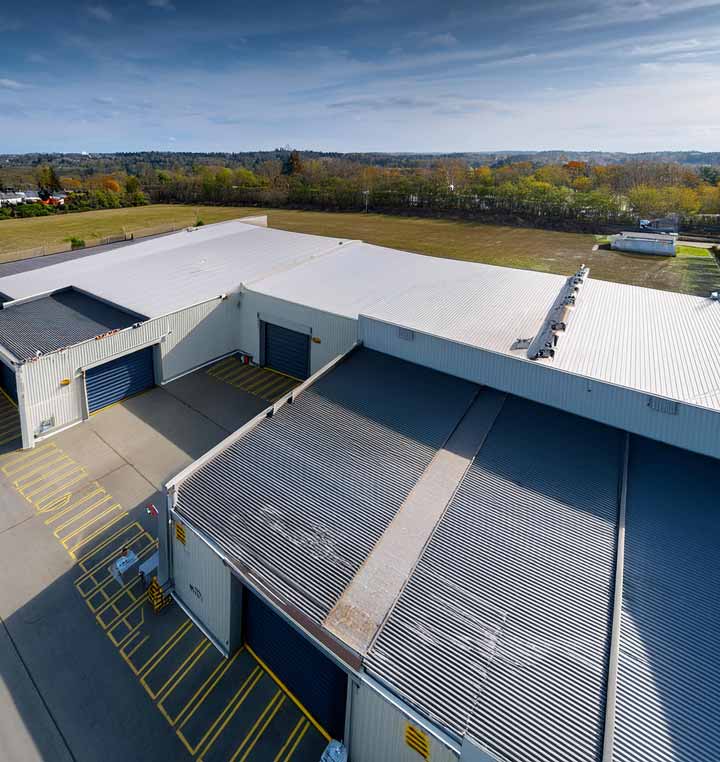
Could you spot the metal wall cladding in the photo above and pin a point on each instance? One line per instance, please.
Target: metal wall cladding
(203, 584)
(304, 496)
(692, 428)
(503, 631)
(187, 339)
(332, 335)
(669, 671)
(377, 732)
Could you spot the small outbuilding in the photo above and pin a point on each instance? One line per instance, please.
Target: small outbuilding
(661, 244)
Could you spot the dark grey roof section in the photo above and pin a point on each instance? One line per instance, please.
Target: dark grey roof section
(503, 631)
(304, 496)
(35, 263)
(669, 671)
(53, 322)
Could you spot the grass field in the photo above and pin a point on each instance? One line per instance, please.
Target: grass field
(527, 248)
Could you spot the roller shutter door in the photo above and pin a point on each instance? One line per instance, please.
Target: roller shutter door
(115, 380)
(287, 351)
(315, 681)
(8, 381)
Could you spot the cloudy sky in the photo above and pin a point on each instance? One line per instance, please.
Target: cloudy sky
(392, 75)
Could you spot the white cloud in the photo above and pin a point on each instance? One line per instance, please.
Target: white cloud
(100, 13)
(445, 40)
(633, 11)
(11, 84)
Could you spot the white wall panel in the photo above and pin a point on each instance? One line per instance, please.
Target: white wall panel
(336, 333)
(377, 731)
(689, 427)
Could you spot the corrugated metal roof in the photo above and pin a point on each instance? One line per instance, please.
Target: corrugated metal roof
(158, 276)
(658, 342)
(669, 671)
(305, 495)
(57, 321)
(502, 633)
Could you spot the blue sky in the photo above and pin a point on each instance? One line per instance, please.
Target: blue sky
(386, 75)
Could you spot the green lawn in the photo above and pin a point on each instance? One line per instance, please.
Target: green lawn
(683, 250)
(694, 272)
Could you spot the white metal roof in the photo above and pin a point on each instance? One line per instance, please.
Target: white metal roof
(161, 275)
(659, 342)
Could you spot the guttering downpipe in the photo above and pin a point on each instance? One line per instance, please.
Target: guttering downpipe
(611, 702)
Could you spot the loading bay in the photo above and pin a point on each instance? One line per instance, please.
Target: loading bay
(88, 671)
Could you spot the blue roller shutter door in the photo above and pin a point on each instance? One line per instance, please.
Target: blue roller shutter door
(115, 380)
(287, 351)
(315, 681)
(8, 381)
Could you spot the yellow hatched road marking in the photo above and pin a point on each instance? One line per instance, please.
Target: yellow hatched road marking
(54, 506)
(107, 579)
(289, 739)
(67, 471)
(227, 713)
(210, 683)
(239, 374)
(297, 741)
(123, 616)
(101, 564)
(72, 551)
(40, 503)
(203, 644)
(58, 458)
(125, 589)
(9, 438)
(295, 701)
(165, 648)
(89, 522)
(206, 645)
(41, 451)
(42, 473)
(77, 516)
(82, 559)
(222, 364)
(279, 699)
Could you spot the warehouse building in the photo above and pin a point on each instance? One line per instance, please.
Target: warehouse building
(481, 528)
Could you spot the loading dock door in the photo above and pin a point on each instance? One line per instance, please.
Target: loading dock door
(115, 380)
(315, 681)
(287, 351)
(8, 381)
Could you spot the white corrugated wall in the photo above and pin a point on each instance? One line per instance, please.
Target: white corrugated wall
(202, 582)
(378, 731)
(689, 427)
(187, 339)
(331, 334)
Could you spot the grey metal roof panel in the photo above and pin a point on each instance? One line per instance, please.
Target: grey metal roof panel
(668, 708)
(502, 633)
(54, 322)
(304, 496)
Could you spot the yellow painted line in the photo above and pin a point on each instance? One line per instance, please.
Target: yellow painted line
(87, 524)
(128, 657)
(122, 615)
(223, 719)
(297, 741)
(295, 701)
(165, 648)
(265, 386)
(10, 438)
(72, 551)
(238, 373)
(231, 367)
(276, 386)
(289, 739)
(43, 451)
(8, 397)
(8, 425)
(222, 364)
(279, 700)
(77, 516)
(206, 645)
(260, 382)
(124, 590)
(82, 559)
(66, 471)
(213, 679)
(27, 460)
(40, 503)
(42, 473)
(97, 491)
(56, 457)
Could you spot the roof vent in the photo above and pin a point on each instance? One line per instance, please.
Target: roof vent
(544, 344)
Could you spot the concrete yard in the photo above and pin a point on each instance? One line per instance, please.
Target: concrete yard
(87, 670)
